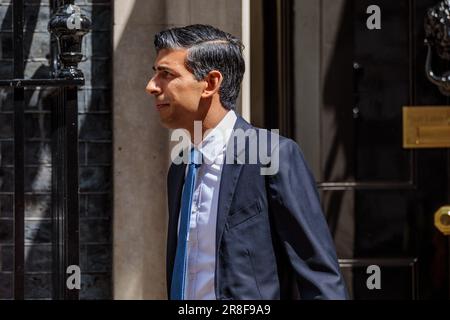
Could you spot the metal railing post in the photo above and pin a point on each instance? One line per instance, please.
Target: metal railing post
(19, 162)
(68, 26)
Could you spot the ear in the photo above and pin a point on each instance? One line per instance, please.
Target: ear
(213, 80)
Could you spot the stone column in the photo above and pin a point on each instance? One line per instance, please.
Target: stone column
(141, 145)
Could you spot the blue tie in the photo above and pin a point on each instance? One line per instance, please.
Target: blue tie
(179, 269)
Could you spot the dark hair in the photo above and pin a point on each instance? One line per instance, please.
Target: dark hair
(209, 49)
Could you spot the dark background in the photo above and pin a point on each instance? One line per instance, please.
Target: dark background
(95, 147)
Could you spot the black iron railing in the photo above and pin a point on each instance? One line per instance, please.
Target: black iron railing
(67, 27)
(19, 161)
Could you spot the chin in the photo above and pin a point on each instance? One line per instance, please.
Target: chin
(168, 124)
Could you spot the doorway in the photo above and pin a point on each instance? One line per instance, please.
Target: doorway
(345, 89)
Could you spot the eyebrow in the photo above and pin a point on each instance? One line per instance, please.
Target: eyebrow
(162, 68)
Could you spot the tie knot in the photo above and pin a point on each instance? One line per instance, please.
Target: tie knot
(195, 157)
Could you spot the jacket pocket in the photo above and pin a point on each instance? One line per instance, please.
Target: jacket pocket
(242, 215)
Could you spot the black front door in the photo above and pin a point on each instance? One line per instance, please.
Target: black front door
(379, 198)
(395, 217)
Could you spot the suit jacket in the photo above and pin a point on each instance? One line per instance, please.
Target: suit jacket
(272, 240)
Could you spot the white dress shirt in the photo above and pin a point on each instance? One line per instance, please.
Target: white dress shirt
(201, 245)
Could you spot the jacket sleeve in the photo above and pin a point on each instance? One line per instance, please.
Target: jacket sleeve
(301, 226)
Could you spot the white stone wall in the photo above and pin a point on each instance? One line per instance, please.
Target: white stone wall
(141, 145)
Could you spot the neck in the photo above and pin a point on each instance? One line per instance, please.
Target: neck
(210, 120)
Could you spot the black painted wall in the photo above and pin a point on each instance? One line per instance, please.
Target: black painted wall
(95, 133)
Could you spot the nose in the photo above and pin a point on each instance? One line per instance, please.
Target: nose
(152, 88)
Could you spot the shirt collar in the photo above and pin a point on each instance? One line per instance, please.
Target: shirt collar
(217, 139)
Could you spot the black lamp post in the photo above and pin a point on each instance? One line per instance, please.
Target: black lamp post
(69, 26)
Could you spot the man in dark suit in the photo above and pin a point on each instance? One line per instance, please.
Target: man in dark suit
(238, 228)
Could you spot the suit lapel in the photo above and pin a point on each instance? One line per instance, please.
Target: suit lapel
(175, 188)
(228, 181)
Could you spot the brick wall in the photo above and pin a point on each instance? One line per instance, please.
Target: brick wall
(95, 147)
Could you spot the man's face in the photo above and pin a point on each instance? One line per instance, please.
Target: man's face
(177, 93)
